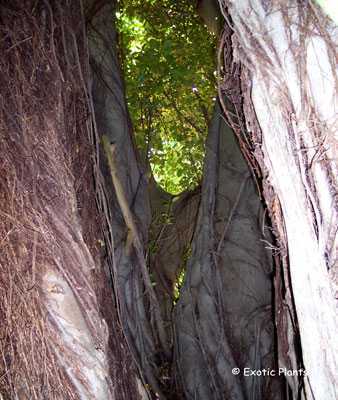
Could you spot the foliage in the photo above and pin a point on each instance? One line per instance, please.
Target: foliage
(168, 64)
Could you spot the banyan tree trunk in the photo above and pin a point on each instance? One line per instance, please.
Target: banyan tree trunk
(283, 78)
(223, 319)
(72, 292)
(60, 336)
(126, 191)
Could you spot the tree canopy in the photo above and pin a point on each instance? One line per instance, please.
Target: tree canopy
(169, 68)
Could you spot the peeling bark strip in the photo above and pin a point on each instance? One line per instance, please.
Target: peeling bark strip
(288, 52)
(53, 337)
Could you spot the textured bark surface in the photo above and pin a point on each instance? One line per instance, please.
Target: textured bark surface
(127, 197)
(224, 315)
(88, 297)
(171, 232)
(60, 335)
(54, 338)
(288, 57)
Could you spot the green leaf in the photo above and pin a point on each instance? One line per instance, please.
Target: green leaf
(166, 51)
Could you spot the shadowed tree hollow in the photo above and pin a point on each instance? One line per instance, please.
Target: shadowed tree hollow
(168, 199)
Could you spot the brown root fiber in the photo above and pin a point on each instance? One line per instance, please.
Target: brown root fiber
(53, 338)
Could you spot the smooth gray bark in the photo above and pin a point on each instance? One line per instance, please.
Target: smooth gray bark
(139, 313)
(224, 315)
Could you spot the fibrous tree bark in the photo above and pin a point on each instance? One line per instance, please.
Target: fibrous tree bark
(88, 293)
(284, 70)
(150, 332)
(72, 287)
(55, 340)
